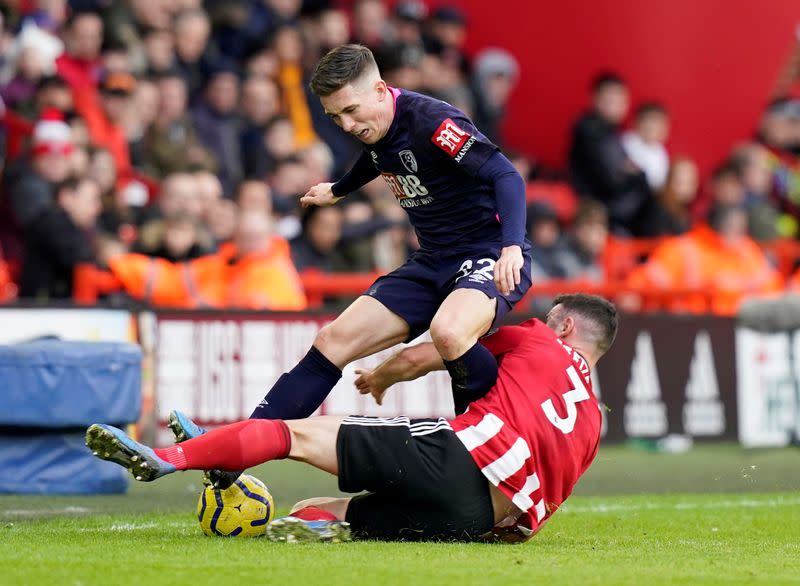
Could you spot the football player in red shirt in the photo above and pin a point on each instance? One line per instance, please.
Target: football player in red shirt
(503, 467)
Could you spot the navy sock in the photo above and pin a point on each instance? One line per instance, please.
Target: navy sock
(299, 392)
(473, 374)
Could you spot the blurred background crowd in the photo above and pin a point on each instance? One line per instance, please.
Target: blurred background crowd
(168, 142)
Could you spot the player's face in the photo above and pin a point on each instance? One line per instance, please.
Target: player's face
(360, 110)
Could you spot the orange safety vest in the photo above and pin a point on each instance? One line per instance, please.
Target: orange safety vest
(267, 280)
(701, 260)
(153, 280)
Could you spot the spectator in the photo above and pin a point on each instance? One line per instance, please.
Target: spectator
(370, 22)
(315, 247)
(644, 144)
(752, 162)
(208, 191)
(289, 49)
(191, 31)
(408, 19)
(52, 92)
(159, 50)
(140, 116)
(333, 29)
(177, 194)
(115, 56)
(718, 260)
(261, 103)
(448, 29)
(31, 58)
(545, 234)
(399, 64)
(80, 64)
(29, 184)
(494, 76)
(580, 256)
(778, 135)
(222, 222)
(670, 213)
(171, 143)
(57, 240)
(107, 125)
(254, 271)
(178, 239)
(217, 125)
(254, 196)
(599, 167)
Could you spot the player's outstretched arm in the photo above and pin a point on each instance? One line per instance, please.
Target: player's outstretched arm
(408, 364)
(319, 195)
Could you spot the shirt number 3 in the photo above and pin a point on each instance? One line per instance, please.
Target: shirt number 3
(578, 393)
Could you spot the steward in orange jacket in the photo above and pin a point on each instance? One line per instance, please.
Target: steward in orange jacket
(254, 272)
(719, 259)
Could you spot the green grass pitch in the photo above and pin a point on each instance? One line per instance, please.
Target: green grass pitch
(716, 515)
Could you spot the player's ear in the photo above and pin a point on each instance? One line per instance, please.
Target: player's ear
(381, 89)
(567, 327)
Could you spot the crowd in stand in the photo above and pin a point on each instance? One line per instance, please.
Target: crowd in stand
(168, 141)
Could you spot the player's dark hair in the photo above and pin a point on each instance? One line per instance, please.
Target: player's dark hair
(339, 67)
(601, 312)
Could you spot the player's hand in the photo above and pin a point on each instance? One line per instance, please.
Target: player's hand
(370, 382)
(507, 269)
(319, 195)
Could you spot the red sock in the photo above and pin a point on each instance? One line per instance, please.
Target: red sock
(314, 514)
(233, 447)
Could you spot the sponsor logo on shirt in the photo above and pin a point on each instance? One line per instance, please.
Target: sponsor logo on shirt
(408, 160)
(464, 149)
(408, 190)
(450, 138)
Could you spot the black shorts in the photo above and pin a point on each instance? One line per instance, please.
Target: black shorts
(423, 484)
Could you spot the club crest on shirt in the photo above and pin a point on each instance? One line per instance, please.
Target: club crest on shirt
(408, 160)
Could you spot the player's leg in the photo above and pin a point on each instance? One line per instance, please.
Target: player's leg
(299, 392)
(396, 308)
(472, 308)
(423, 483)
(232, 447)
(464, 316)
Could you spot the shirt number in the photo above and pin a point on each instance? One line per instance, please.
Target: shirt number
(578, 393)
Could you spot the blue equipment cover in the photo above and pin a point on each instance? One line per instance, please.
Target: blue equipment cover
(56, 384)
(56, 464)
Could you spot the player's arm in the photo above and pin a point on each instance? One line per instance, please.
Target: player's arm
(408, 364)
(509, 189)
(456, 139)
(325, 194)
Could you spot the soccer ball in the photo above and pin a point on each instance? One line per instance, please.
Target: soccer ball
(244, 509)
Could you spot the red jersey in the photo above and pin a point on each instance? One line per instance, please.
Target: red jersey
(538, 429)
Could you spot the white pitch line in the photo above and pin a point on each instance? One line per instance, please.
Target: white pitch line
(43, 512)
(726, 504)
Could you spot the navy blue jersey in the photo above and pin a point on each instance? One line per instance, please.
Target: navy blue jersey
(430, 158)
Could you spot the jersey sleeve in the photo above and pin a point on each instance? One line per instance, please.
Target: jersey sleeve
(452, 136)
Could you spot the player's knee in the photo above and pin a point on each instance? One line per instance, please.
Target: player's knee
(327, 337)
(447, 338)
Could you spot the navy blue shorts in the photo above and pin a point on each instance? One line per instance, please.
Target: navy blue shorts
(415, 290)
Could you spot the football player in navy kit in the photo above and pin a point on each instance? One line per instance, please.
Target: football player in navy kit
(466, 202)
